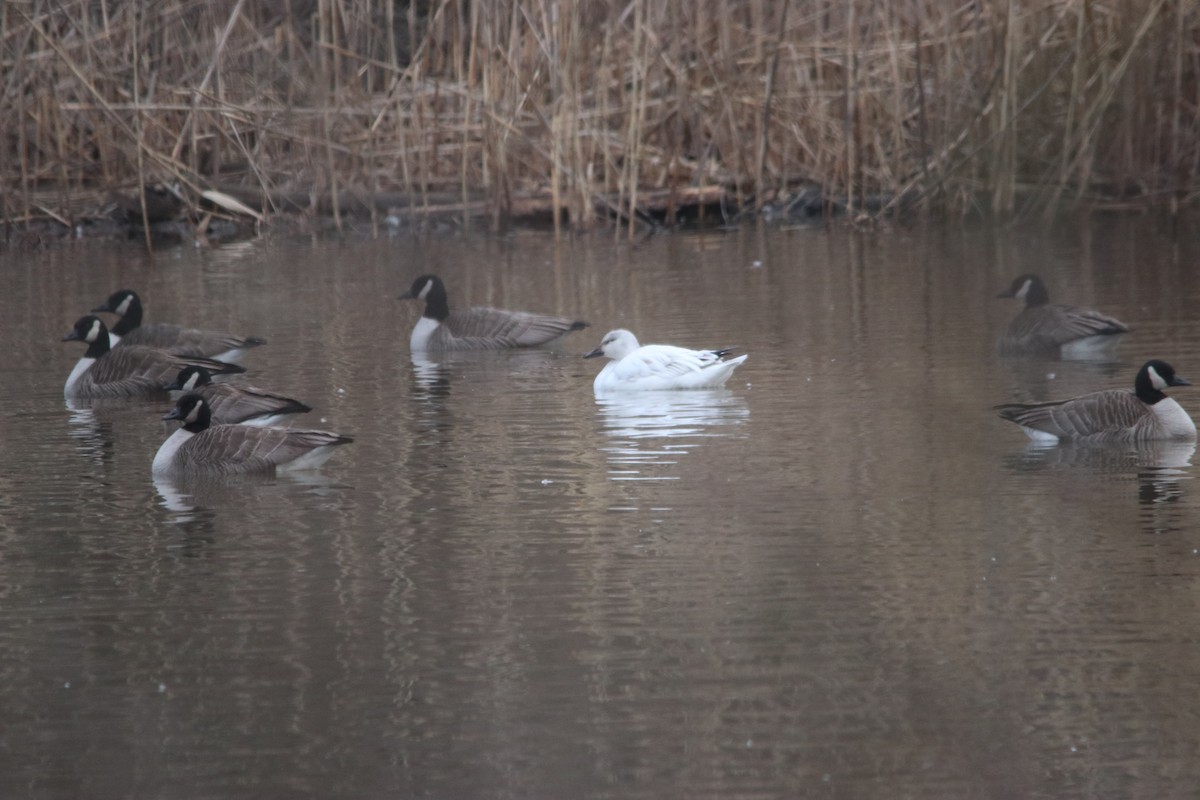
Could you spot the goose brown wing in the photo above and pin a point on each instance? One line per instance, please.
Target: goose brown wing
(231, 404)
(239, 448)
(187, 341)
(1055, 325)
(134, 361)
(1111, 413)
(494, 328)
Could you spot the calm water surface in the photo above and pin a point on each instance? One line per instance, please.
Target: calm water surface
(840, 577)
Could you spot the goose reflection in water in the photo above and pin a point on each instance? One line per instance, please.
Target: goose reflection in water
(1161, 467)
(655, 428)
(1160, 477)
(194, 499)
(1165, 457)
(94, 437)
(430, 376)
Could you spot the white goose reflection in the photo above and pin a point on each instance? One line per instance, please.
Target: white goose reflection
(655, 428)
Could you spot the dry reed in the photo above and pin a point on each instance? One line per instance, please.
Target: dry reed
(597, 109)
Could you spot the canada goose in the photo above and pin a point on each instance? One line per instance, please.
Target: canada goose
(129, 370)
(658, 366)
(1045, 328)
(1143, 415)
(231, 404)
(201, 447)
(182, 341)
(478, 328)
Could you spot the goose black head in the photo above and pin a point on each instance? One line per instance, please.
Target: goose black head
(430, 289)
(423, 287)
(1028, 287)
(91, 330)
(192, 411)
(1154, 376)
(120, 302)
(189, 378)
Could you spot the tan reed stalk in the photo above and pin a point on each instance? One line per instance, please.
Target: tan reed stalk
(138, 127)
(765, 125)
(636, 113)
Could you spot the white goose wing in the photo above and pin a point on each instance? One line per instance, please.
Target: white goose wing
(663, 361)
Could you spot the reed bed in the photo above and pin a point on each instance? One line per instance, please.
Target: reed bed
(598, 110)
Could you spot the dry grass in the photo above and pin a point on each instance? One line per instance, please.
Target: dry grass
(587, 106)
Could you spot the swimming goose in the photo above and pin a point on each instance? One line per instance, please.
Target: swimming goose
(129, 370)
(201, 447)
(1143, 415)
(1045, 328)
(658, 366)
(231, 404)
(478, 328)
(179, 340)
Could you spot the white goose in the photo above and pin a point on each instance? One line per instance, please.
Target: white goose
(655, 367)
(1114, 415)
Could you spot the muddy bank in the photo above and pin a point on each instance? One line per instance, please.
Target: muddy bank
(168, 216)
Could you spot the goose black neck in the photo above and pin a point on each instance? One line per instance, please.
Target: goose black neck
(202, 421)
(131, 319)
(100, 346)
(1037, 294)
(436, 304)
(1145, 390)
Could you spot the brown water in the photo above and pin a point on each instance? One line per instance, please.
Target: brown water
(841, 577)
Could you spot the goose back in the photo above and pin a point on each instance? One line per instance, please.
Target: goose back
(130, 330)
(1047, 329)
(234, 404)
